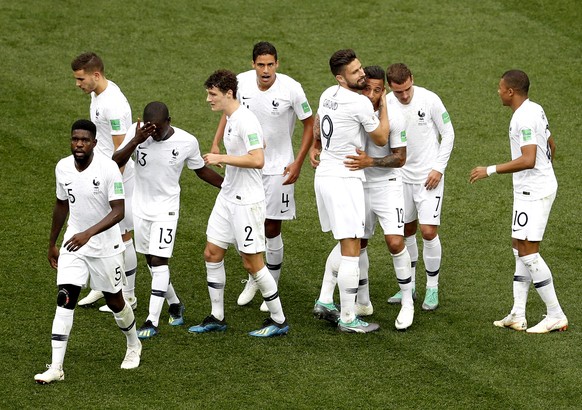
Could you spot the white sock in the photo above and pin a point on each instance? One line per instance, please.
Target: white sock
(402, 268)
(330, 275)
(216, 279)
(62, 324)
(431, 254)
(274, 256)
(542, 279)
(363, 296)
(347, 280)
(412, 246)
(126, 322)
(130, 268)
(171, 295)
(521, 283)
(268, 288)
(160, 281)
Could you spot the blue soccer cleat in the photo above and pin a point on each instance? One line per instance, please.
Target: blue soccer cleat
(209, 324)
(271, 328)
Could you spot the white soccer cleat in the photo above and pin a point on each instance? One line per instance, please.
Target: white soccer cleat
(132, 302)
(512, 321)
(550, 324)
(405, 318)
(264, 307)
(364, 310)
(91, 298)
(53, 374)
(132, 357)
(248, 292)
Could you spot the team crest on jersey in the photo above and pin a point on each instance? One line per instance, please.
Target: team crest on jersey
(96, 185)
(421, 117)
(97, 114)
(275, 110)
(174, 158)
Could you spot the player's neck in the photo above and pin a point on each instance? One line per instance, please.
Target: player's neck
(517, 102)
(231, 107)
(83, 164)
(101, 86)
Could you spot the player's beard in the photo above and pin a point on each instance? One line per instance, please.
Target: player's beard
(357, 85)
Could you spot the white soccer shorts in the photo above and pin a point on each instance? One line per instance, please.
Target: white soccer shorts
(242, 225)
(340, 204)
(155, 238)
(386, 205)
(423, 205)
(279, 198)
(529, 218)
(107, 274)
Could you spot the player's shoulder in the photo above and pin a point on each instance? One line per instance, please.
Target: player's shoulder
(287, 80)
(65, 163)
(182, 135)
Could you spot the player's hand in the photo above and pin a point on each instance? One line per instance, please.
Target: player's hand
(214, 149)
(360, 161)
(77, 241)
(292, 172)
(53, 256)
(314, 157)
(144, 132)
(433, 179)
(478, 173)
(213, 159)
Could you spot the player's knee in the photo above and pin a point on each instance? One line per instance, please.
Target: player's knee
(67, 296)
(395, 244)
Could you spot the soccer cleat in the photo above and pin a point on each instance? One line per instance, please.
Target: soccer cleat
(53, 374)
(364, 310)
(209, 324)
(326, 311)
(132, 357)
(405, 318)
(91, 298)
(431, 299)
(550, 324)
(176, 312)
(147, 331)
(357, 326)
(248, 292)
(512, 322)
(132, 302)
(264, 307)
(271, 328)
(397, 298)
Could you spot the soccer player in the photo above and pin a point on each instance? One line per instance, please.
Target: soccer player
(384, 202)
(343, 118)
(277, 100)
(160, 150)
(534, 191)
(423, 173)
(111, 113)
(89, 189)
(238, 216)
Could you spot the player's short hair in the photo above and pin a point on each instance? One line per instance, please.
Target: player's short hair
(374, 72)
(224, 80)
(85, 125)
(340, 59)
(89, 62)
(398, 73)
(518, 80)
(156, 111)
(264, 48)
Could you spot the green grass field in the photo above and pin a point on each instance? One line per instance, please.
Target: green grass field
(451, 358)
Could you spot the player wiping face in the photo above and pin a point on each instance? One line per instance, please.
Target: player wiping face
(158, 130)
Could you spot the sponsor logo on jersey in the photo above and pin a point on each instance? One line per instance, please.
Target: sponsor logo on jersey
(403, 136)
(526, 135)
(306, 107)
(446, 117)
(118, 188)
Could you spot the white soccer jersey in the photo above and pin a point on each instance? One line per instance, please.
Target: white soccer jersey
(426, 120)
(529, 126)
(242, 134)
(276, 108)
(111, 113)
(89, 193)
(344, 118)
(376, 176)
(158, 165)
